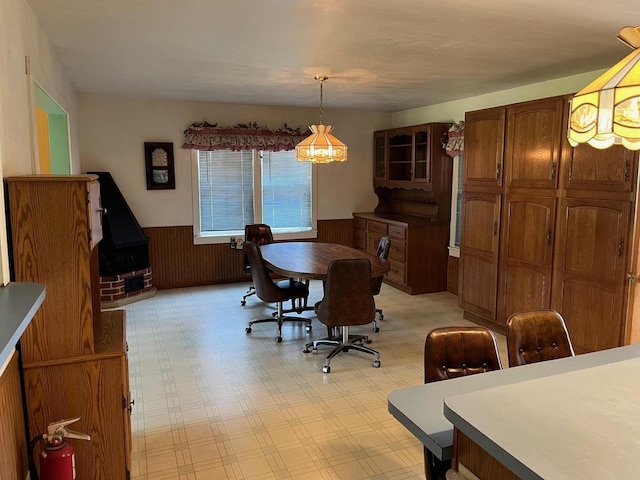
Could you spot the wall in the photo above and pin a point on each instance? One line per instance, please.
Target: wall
(454, 111)
(113, 132)
(21, 36)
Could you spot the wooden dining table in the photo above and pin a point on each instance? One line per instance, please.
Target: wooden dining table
(310, 260)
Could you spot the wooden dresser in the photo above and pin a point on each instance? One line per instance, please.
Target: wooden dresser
(74, 356)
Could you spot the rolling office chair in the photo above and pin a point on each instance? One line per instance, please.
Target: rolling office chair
(270, 291)
(537, 336)
(260, 234)
(451, 352)
(376, 283)
(347, 301)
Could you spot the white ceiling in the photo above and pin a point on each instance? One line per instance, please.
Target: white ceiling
(383, 55)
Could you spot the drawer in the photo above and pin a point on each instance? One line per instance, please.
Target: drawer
(372, 242)
(377, 227)
(360, 239)
(398, 231)
(397, 251)
(396, 272)
(360, 223)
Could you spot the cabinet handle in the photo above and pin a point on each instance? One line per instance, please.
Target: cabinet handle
(498, 171)
(627, 170)
(552, 173)
(131, 404)
(495, 228)
(549, 237)
(620, 247)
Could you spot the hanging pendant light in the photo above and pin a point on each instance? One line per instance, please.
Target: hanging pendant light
(607, 111)
(321, 146)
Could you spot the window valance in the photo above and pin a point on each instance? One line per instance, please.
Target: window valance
(211, 136)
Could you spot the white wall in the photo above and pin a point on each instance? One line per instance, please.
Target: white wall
(113, 132)
(454, 111)
(20, 36)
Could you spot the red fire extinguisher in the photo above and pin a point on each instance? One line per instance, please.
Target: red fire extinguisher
(57, 458)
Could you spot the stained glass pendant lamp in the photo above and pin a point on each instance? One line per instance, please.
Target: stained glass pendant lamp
(321, 146)
(607, 111)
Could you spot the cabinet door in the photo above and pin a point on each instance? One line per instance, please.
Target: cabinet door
(610, 170)
(479, 253)
(589, 272)
(421, 154)
(379, 155)
(400, 151)
(484, 147)
(527, 253)
(532, 149)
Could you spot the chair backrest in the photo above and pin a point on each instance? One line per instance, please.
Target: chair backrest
(451, 352)
(266, 289)
(347, 294)
(258, 233)
(537, 336)
(383, 252)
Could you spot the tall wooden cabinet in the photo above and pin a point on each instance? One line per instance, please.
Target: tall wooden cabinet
(545, 225)
(74, 356)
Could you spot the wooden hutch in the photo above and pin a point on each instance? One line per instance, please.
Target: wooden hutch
(412, 179)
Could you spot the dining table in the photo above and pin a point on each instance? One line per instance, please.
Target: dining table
(310, 260)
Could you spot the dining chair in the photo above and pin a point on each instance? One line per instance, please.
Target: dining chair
(347, 301)
(376, 283)
(270, 291)
(260, 234)
(537, 336)
(451, 352)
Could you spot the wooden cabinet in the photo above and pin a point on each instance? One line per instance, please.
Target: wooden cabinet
(74, 356)
(409, 157)
(564, 228)
(418, 250)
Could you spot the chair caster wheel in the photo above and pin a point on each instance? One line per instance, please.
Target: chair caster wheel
(248, 329)
(376, 363)
(308, 328)
(381, 317)
(243, 303)
(306, 350)
(278, 339)
(376, 330)
(368, 340)
(314, 350)
(326, 369)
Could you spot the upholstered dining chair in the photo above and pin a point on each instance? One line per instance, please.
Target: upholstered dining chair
(260, 234)
(451, 352)
(270, 291)
(537, 336)
(376, 283)
(347, 301)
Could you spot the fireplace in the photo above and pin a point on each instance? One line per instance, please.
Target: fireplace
(125, 272)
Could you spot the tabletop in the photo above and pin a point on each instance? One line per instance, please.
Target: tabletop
(310, 260)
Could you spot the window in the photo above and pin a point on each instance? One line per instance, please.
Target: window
(235, 188)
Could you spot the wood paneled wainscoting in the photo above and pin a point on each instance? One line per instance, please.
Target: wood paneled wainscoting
(14, 457)
(453, 266)
(177, 262)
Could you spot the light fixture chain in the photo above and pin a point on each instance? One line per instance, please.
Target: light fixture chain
(321, 101)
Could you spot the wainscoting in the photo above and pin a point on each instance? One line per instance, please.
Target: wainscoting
(177, 262)
(14, 442)
(452, 275)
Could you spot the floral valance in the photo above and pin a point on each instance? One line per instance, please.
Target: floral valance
(211, 136)
(455, 142)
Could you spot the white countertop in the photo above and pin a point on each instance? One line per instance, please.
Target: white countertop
(18, 304)
(420, 408)
(577, 425)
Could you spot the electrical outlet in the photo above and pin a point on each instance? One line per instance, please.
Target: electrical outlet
(239, 244)
(233, 243)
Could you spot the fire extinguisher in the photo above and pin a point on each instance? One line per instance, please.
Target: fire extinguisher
(57, 457)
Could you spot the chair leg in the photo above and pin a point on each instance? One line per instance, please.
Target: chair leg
(280, 318)
(250, 291)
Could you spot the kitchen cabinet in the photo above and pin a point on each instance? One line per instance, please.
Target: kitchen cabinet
(565, 223)
(74, 355)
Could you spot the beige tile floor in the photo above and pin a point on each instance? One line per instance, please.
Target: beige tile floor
(215, 403)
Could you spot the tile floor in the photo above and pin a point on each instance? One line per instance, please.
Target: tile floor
(215, 403)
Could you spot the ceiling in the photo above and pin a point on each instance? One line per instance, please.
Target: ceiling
(381, 55)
